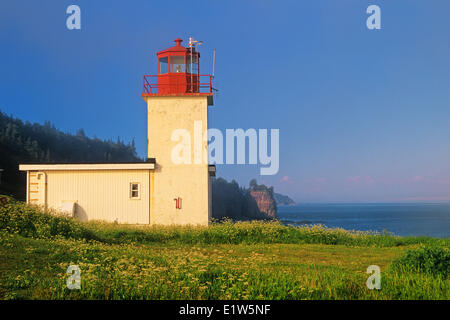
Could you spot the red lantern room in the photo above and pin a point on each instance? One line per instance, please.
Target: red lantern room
(178, 73)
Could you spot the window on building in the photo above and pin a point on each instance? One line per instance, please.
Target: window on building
(135, 190)
(163, 65)
(177, 64)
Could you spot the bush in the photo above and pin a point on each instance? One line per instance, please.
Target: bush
(432, 260)
(30, 221)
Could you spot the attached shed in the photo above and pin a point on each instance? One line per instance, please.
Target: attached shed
(114, 192)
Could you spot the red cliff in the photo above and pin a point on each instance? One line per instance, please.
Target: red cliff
(265, 201)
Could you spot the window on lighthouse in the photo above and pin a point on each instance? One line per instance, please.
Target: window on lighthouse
(177, 64)
(163, 65)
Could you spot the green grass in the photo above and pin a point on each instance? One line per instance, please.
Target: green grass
(252, 260)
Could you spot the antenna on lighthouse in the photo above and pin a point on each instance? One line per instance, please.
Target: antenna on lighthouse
(213, 73)
(214, 61)
(193, 42)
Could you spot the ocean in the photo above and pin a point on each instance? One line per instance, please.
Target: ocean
(411, 219)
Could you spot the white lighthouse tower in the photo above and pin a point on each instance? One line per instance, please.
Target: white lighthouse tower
(177, 103)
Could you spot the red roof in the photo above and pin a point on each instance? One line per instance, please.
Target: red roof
(177, 48)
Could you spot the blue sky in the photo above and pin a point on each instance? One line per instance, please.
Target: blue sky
(364, 115)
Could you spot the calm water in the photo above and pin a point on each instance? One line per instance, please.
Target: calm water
(419, 219)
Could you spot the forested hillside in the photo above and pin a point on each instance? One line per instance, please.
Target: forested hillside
(283, 200)
(24, 142)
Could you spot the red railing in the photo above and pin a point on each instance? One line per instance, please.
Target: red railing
(153, 84)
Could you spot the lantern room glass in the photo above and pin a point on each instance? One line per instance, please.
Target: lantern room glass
(163, 65)
(177, 64)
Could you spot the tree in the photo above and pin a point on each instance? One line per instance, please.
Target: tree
(80, 133)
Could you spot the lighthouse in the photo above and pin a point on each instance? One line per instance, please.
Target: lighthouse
(177, 99)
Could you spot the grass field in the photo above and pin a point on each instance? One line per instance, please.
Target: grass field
(260, 260)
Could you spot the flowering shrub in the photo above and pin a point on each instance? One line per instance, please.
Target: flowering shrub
(433, 260)
(32, 221)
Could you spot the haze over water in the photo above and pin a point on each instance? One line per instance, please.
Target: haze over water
(403, 219)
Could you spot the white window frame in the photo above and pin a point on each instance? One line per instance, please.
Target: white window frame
(138, 191)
